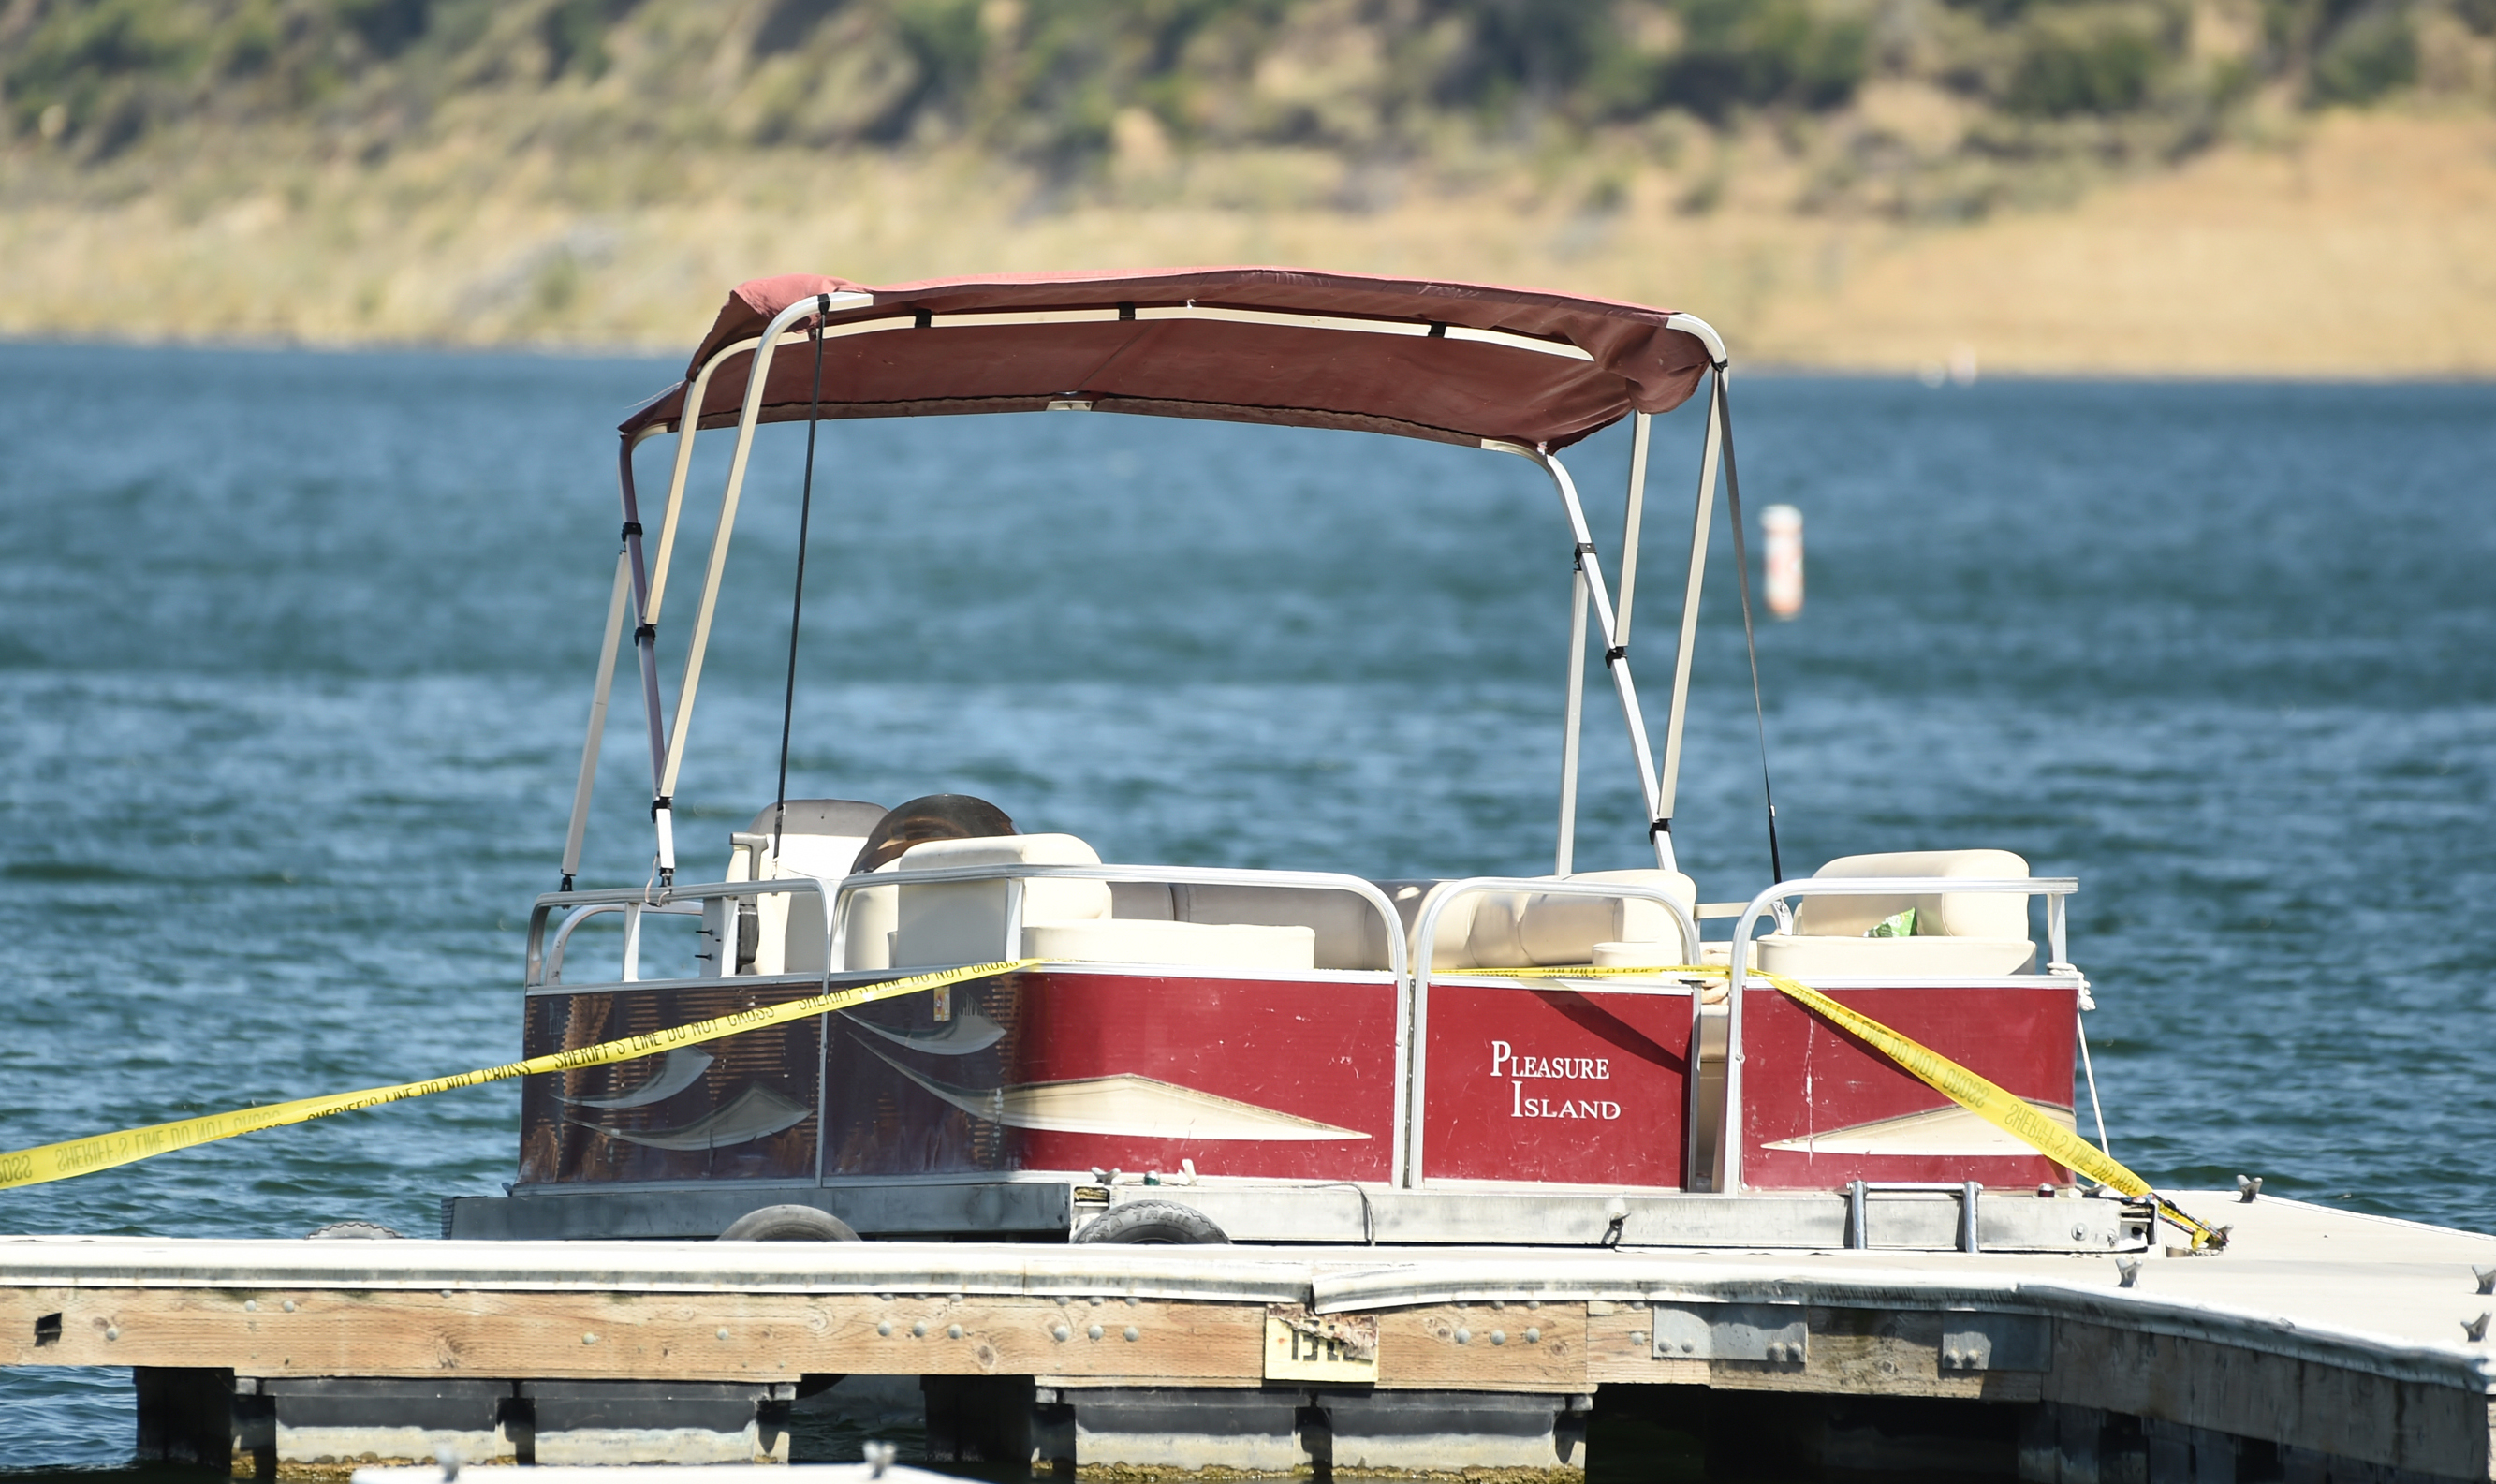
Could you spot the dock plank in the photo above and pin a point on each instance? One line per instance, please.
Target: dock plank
(1620, 1349)
(1483, 1347)
(670, 1337)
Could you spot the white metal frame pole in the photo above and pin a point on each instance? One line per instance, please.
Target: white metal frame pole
(590, 748)
(646, 632)
(1669, 786)
(1616, 658)
(1642, 426)
(688, 427)
(1564, 858)
(757, 375)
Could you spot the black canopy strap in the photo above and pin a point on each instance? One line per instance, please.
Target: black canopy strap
(797, 599)
(1750, 640)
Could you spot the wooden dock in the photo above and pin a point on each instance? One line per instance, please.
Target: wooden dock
(2320, 1345)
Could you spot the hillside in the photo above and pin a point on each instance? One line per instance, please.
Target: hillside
(1851, 184)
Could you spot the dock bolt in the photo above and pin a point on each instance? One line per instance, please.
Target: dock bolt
(1464, 1336)
(954, 1332)
(1060, 1332)
(883, 1327)
(1094, 1333)
(919, 1331)
(1535, 1336)
(1499, 1337)
(1132, 1334)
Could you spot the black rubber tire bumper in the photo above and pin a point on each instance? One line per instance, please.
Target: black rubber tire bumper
(788, 1223)
(1154, 1223)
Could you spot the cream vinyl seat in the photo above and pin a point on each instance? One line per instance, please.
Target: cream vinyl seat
(1958, 935)
(1346, 929)
(1547, 929)
(964, 922)
(816, 837)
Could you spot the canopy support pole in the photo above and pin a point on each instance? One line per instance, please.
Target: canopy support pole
(757, 375)
(1567, 854)
(688, 426)
(1616, 658)
(1565, 860)
(650, 587)
(1669, 787)
(589, 748)
(1642, 426)
(646, 640)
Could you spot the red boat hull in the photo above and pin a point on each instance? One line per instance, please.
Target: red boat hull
(1288, 1079)
(1809, 1091)
(1574, 1087)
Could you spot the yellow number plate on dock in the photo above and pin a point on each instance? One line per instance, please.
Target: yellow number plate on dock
(1303, 1346)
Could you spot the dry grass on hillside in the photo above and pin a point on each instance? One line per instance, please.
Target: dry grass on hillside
(2360, 244)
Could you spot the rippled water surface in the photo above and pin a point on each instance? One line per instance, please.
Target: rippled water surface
(294, 655)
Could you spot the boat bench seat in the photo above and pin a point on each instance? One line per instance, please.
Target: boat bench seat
(1254, 946)
(1958, 935)
(1545, 930)
(1480, 930)
(1345, 929)
(964, 922)
(1244, 926)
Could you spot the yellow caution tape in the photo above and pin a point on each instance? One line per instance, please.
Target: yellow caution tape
(102, 1152)
(1581, 971)
(2010, 1114)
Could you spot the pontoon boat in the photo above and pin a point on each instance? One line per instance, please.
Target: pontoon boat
(1210, 1053)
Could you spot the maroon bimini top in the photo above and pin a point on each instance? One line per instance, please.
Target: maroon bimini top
(1431, 385)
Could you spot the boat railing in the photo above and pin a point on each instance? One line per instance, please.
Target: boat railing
(1726, 1174)
(544, 964)
(1426, 939)
(705, 900)
(1014, 874)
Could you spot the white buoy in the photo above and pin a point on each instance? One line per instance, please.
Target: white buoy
(1781, 555)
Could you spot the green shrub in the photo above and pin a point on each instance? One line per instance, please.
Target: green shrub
(2061, 72)
(1751, 52)
(2366, 58)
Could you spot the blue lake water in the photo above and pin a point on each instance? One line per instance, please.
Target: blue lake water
(296, 650)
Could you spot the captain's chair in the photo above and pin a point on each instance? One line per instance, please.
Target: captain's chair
(801, 837)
